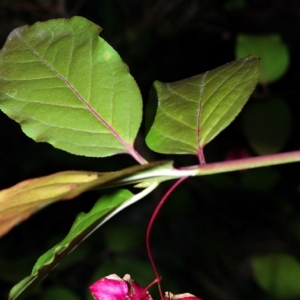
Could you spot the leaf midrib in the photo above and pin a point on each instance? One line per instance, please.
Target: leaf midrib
(77, 94)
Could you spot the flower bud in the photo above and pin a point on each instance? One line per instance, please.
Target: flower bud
(113, 287)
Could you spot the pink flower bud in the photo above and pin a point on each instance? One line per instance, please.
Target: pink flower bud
(185, 296)
(112, 287)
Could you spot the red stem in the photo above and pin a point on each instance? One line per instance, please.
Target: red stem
(150, 225)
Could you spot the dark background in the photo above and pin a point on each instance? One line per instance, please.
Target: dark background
(211, 228)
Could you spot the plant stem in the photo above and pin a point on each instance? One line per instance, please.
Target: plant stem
(141, 160)
(150, 225)
(201, 157)
(249, 163)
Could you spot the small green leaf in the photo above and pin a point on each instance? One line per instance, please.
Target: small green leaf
(278, 275)
(267, 125)
(83, 226)
(186, 115)
(274, 54)
(66, 86)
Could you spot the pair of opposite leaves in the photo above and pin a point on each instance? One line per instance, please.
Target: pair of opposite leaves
(66, 86)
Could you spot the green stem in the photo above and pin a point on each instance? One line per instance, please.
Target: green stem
(168, 172)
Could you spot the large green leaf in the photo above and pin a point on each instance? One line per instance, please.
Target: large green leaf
(278, 274)
(274, 54)
(85, 224)
(66, 86)
(186, 115)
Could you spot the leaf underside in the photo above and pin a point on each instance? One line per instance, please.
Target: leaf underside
(20, 201)
(184, 116)
(66, 86)
(84, 224)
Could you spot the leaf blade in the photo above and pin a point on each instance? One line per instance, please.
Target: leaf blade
(20, 201)
(189, 113)
(67, 86)
(85, 224)
(273, 52)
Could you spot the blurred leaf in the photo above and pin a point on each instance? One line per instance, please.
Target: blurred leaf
(267, 125)
(13, 270)
(275, 58)
(60, 293)
(83, 226)
(235, 4)
(68, 87)
(122, 237)
(25, 198)
(260, 179)
(186, 115)
(278, 275)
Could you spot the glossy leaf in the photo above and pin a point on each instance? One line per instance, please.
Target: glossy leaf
(84, 225)
(274, 54)
(25, 198)
(68, 87)
(267, 125)
(278, 275)
(186, 115)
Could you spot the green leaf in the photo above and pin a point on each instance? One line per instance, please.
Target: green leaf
(274, 54)
(19, 202)
(59, 292)
(186, 115)
(278, 275)
(84, 225)
(68, 87)
(267, 125)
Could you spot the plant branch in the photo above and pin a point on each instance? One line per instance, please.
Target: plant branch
(201, 156)
(167, 172)
(249, 163)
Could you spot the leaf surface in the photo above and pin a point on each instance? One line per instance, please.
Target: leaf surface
(66, 86)
(274, 54)
(84, 225)
(25, 198)
(184, 116)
